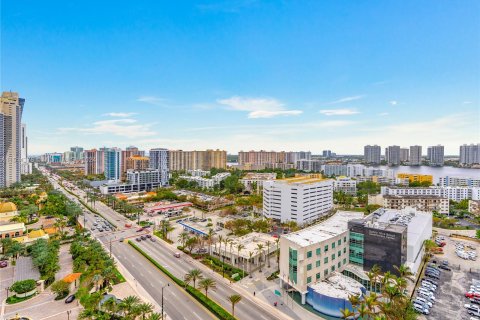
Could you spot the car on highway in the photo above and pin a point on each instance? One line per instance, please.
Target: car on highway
(138, 239)
(148, 236)
(140, 230)
(143, 238)
(128, 225)
(176, 254)
(3, 263)
(153, 240)
(70, 298)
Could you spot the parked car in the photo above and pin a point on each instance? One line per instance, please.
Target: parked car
(128, 225)
(70, 298)
(140, 230)
(472, 308)
(138, 239)
(143, 238)
(420, 309)
(444, 267)
(153, 240)
(3, 263)
(429, 303)
(148, 236)
(472, 294)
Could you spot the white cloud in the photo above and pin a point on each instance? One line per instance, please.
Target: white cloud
(120, 114)
(338, 112)
(151, 100)
(393, 102)
(383, 114)
(119, 127)
(258, 107)
(346, 99)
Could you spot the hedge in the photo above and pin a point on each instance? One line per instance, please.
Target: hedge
(205, 301)
(24, 286)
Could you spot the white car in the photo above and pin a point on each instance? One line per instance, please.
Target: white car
(423, 300)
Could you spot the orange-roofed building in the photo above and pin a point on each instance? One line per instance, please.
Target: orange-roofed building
(73, 280)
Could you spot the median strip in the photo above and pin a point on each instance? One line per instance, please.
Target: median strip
(211, 305)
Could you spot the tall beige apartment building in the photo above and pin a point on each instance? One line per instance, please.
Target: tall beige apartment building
(192, 160)
(11, 109)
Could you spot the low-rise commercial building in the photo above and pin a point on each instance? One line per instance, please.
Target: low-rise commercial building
(301, 199)
(420, 202)
(412, 177)
(12, 230)
(137, 181)
(449, 181)
(8, 211)
(346, 185)
(451, 193)
(255, 180)
(207, 183)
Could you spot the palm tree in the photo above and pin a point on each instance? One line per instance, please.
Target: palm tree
(154, 316)
(363, 311)
(277, 242)
(210, 240)
(207, 284)
(250, 255)
(234, 299)
(144, 309)
(110, 305)
(194, 275)
(268, 254)
(220, 241)
(165, 225)
(128, 304)
(404, 272)
(87, 314)
(183, 237)
(260, 252)
(354, 300)
(240, 247)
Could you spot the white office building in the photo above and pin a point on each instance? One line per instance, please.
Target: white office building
(299, 199)
(256, 179)
(469, 154)
(309, 165)
(207, 183)
(451, 193)
(137, 181)
(334, 169)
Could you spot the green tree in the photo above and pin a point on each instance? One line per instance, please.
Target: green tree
(194, 275)
(478, 234)
(60, 288)
(234, 299)
(207, 284)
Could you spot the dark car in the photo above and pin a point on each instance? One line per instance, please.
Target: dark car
(3, 263)
(143, 238)
(140, 230)
(70, 298)
(148, 236)
(444, 267)
(138, 239)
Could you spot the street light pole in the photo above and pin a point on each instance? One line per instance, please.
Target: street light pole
(68, 314)
(167, 285)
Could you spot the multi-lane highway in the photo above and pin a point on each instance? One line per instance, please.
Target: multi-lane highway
(178, 304)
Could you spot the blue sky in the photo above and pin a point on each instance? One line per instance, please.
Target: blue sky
(238, 75)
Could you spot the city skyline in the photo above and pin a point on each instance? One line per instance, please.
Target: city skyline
(238, 76)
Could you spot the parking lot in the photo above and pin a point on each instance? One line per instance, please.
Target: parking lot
(452, 285)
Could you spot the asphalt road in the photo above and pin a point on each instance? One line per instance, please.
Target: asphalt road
(178, 304)
(245, 309)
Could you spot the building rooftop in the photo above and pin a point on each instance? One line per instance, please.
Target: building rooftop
(416, 196)
(11, 227)
(327, 229)
(337, 286)
(250, 242)
(7, 207)
(260, 176)
(301, 180)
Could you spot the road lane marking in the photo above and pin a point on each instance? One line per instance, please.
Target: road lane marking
(197, 315)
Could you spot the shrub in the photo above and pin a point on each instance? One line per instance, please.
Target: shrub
(24, 286)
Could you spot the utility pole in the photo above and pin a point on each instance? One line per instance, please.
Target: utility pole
(167, 285)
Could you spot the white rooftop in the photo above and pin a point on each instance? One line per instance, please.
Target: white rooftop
(335, 225)
(336, 285)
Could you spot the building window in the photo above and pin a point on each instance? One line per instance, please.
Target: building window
(344, 250)
(339, 264)
(309, 254)
(318, 251)
(344, 261)
(309, 279)
(333, 268)
(339, 253)
(309, 267)
(325, 272)
(317, 276)
(333, 245)
(344, 239)
(325, 260)
(339, 241)
(317, 263)
(333, 256)
(326, 248)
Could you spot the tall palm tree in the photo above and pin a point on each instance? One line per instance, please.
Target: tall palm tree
(404, 272)
(110, 305)
(250, 255)
(354, 300)
(220, 241)
(259, 250)
(144, 309)
(210, 236)
(240, 247)
(363, 311)
(87, 314)
(277, 243)
(194, 275)
(268, 254)
(183, 237)
(234, 299)
(207, 284)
